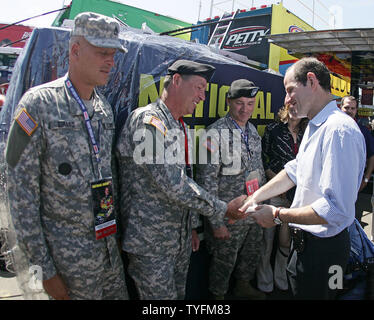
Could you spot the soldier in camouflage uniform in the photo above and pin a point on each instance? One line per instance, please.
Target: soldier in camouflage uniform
(235, 248)
(157, 193)
(51, 163)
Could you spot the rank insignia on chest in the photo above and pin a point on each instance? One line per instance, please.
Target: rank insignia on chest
(26, 122)
(157, 123)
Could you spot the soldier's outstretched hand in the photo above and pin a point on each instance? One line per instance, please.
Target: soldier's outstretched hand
(221, 233)
(233, 212)
(56, 288)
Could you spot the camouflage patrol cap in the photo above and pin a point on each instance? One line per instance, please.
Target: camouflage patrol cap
(98, 30)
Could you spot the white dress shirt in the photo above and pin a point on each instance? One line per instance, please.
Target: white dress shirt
(328, 170)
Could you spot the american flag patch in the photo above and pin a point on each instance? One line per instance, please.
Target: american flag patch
(156, 122)
(210, 145)
(26, 122)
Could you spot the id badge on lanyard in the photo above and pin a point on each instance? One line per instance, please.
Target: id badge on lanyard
(103, 208)
(101, 189)
(251, 186)
(252, 182)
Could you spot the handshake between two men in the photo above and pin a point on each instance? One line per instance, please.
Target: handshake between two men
(265, 215)
(243, 207)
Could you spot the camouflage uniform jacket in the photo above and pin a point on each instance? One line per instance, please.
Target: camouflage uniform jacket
(156, 198)
(49, 175)
(211, 174)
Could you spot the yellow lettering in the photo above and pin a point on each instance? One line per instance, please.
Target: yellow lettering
(199, 111)
(259, 109)
(197, 127)
(261, 129)
(339, 87)
(94, 186)
(213, 100)
(147, 90)
(222, 108)
(269, 114)
(161, 85)
(338, 81)
(343, 86)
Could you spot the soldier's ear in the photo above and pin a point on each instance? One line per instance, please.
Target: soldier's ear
(177, 78)
(75, 49)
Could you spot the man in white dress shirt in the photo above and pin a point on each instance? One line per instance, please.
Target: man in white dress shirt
(327, 173)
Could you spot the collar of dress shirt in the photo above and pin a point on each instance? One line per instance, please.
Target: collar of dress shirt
(322, 116)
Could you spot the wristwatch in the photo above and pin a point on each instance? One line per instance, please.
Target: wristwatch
(276, 219)
(366, 179)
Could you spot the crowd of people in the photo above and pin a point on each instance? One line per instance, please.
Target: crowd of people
(298, 183)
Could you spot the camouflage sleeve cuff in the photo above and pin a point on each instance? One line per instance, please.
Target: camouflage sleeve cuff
(48, 269)
(49, 274)
(217, 219)
(194, 220)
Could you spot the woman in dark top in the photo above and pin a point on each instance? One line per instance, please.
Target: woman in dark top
(280, 144)
(281, 141)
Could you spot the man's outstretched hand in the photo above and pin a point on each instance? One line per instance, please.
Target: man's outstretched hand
(249, 205)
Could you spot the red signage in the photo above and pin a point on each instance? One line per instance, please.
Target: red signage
(14, 34)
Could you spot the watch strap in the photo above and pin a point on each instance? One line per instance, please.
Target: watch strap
(277, 212)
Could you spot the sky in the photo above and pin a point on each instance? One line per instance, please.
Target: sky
(346, 13)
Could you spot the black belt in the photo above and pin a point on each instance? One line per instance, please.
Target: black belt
(306, 234)
(299, 237)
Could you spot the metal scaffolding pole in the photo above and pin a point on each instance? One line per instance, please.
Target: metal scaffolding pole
(211, 8)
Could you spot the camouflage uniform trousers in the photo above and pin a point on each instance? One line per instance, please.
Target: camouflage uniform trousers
(160, 277)
(238, 255)
(93, 272)
(110, 285)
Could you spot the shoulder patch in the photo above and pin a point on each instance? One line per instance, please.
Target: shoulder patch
(210, 145)
(157, 123)
(26, 122)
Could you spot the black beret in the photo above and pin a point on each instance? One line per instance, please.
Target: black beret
(192, 68)
(242, 88)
